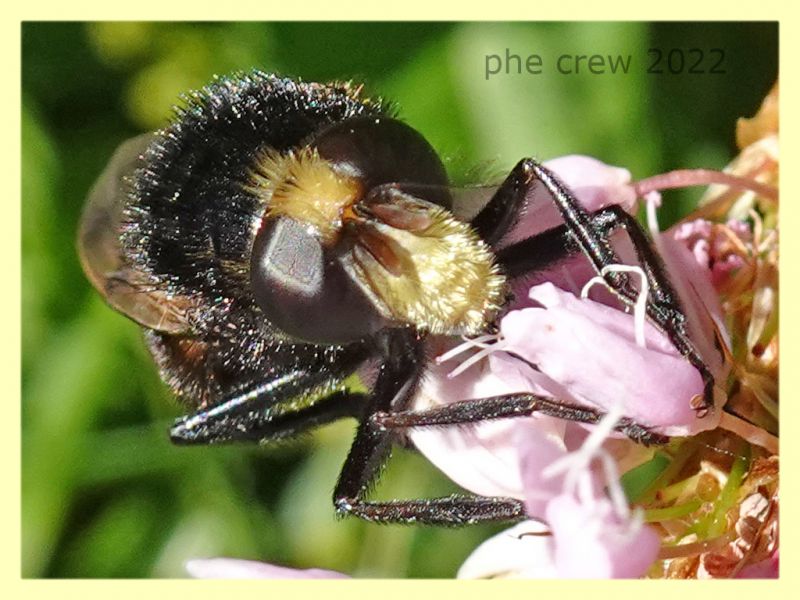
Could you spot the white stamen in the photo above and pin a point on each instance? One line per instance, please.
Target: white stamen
(468, 344)
(634, 524)
(584, 490)
(590, 284)
(578, 461)
(652, 202)
(477, 357)
(639, 308)
(579, 481)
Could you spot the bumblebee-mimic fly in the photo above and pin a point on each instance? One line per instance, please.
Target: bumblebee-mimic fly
(279, 236)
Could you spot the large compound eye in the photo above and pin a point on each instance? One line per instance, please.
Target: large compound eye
(304, 290)
(379, 150)
(357, 236)
(303, 267)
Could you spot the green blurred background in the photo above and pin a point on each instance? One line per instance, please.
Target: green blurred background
(104, 494)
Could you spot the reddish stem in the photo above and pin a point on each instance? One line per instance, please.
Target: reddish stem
(690, 177)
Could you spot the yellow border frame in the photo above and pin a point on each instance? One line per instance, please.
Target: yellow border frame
(407, 10)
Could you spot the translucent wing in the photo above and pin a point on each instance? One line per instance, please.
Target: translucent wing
(127, 290)
(464, 202)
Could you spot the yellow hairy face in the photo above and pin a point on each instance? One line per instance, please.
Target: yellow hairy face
(303, 186)
(446, 282)
(431, 271)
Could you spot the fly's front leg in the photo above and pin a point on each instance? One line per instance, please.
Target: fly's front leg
(589, 234)
(663, 305)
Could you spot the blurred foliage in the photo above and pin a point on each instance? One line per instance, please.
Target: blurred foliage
(104, 493)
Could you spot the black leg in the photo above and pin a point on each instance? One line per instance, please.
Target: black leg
(663, 306)
(387, 415)
(498, 216)
(504, 208)
(537, 253)
(396, 385)
(507, 406)
(662, 297)
(589, 234)
(543, 250)
(449, 511)
(374, 438)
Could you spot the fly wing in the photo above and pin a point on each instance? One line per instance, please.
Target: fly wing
(127, 290)
(464, 202)
(468, 201)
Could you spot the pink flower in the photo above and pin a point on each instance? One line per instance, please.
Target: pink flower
(592, 542)
(529, 550)
(589, 353)
(590, 349)
(711, 249)
(586, 536)
(234, 568)
(523, 551)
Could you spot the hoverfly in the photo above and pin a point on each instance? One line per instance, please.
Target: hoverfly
(279, 236)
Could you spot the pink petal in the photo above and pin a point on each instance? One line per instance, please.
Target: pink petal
(590, 349)
(592, 542)
(513, 553)
(595, 183)
(234, 568)
(483, 459)
(537, 452)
